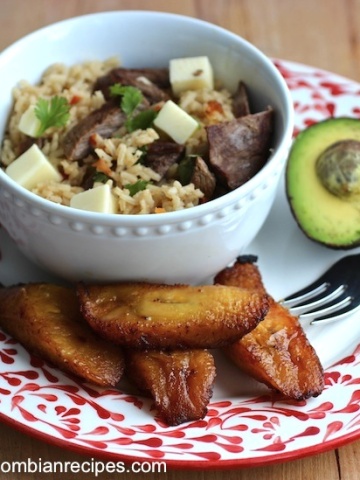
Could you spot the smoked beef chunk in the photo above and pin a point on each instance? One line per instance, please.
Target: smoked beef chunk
(241, 105)
(153, 83)
(104, 121)
(28, 142)
(203, 179)
(238, 149)
(162, 155)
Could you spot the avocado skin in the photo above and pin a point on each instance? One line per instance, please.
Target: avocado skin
(322, 217)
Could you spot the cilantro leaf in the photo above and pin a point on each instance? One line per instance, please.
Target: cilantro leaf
(185, 169)
(52, 113)
(136, 187)
(131, 97)
(142, 158)
(130, 100)
(141, 121)
(100, 177)
(116, 89)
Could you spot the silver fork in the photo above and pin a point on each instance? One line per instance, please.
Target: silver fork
(333, 296)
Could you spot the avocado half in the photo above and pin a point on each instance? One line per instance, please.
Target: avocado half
(327, 218)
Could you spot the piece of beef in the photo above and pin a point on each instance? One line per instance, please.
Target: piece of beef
(28, 142)
(241, 105)
(159, 76)
(238, 149)
(153, 83)
(104, 121)
(194, 169)
(162, 155)
(203, 179)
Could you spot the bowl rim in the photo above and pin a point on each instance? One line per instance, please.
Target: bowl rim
(217, 204)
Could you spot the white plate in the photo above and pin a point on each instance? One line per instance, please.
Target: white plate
(245, 425)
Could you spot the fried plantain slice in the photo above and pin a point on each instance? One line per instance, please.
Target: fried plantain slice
(180, 382)
(158, 316)
(46, 320)
(277, 352)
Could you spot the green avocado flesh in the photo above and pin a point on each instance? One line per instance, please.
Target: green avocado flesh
(323, 216)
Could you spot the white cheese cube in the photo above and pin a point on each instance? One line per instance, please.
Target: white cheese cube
(175, 122)
(98, 199)
(193, 73)
(31, 168)
(29, 123)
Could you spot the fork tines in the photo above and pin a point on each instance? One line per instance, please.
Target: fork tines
(335, 295)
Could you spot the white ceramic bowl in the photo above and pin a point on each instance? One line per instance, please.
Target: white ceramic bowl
(184, 246)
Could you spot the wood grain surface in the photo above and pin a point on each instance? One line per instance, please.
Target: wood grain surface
(321, 33)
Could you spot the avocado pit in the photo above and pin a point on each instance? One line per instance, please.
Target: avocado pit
(338, 169)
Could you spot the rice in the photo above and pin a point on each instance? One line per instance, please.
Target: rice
(120, 155)
(208, 107)
(57, 192)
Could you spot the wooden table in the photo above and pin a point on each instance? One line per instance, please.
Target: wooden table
(325, 34)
